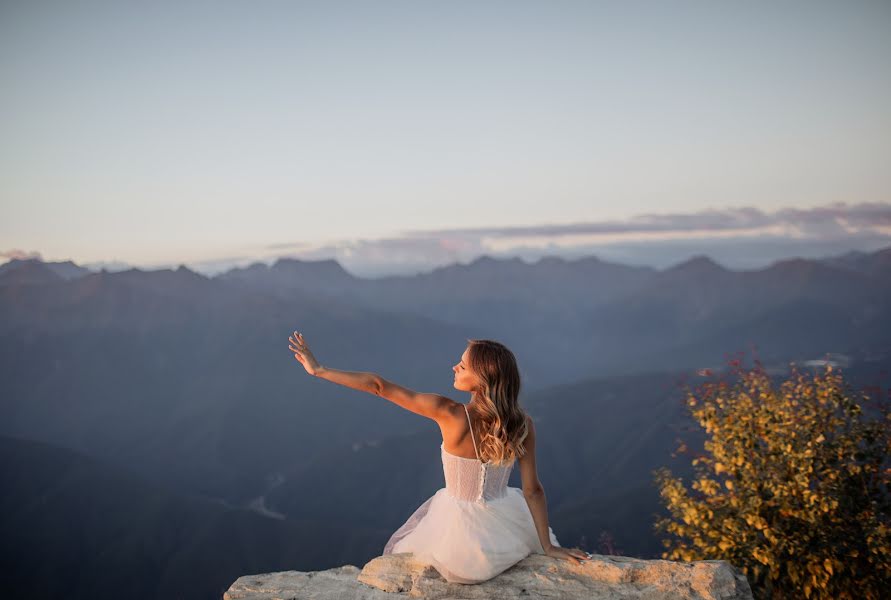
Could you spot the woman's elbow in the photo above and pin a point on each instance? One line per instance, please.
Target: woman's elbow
(534, 491)
(375, 384)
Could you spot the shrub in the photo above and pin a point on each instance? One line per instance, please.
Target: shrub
(792, 487)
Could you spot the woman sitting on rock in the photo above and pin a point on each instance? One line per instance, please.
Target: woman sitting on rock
(476, 526)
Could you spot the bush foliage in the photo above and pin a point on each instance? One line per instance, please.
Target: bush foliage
(792, 487)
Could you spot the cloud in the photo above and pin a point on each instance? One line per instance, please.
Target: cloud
(397, 254)
(16, 254)
(743, 237)
(289, 246)
(836, 217)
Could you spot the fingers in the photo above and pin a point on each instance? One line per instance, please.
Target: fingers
(296, 339)
(297, 345)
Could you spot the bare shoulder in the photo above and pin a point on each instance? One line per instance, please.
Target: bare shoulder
(452, 408)
(457, 411)
(448, 412)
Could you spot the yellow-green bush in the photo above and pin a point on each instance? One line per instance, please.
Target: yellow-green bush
(792, 487)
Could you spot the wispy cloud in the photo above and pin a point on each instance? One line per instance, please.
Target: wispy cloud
(819, 220)
(739, 237)
(398, 254)
(16, 254)
(290, 246)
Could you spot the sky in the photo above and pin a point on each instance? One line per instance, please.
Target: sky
(399, 135)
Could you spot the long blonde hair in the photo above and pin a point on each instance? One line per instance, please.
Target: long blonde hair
(503, 422)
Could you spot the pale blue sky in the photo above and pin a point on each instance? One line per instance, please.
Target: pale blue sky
(193, 131)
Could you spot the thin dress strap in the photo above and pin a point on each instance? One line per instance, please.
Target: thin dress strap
(472, 439)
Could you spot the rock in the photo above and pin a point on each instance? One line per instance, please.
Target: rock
(332, 584)
(603, 577)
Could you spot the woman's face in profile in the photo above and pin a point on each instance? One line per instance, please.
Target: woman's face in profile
(465, 380)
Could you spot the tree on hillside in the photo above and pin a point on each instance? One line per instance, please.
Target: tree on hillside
(792, 487)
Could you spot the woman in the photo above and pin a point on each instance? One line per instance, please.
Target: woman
(476, 527)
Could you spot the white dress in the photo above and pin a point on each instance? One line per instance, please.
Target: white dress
(475, 527)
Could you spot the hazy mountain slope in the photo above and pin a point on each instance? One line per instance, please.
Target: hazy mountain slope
(699, 310)
(191, 382)
(625, 515)
(873, 263)
(75, 527)
(392, 476)
(607, 433)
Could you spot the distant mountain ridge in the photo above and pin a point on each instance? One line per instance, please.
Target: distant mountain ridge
(330, 271)
(589, 314)
(559, 299)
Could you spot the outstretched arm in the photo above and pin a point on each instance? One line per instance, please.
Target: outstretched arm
(432, 406)
(358, 380)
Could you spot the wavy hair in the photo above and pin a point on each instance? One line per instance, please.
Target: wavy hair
(503, 422)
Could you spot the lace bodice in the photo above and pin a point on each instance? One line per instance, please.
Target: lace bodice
(471, 479)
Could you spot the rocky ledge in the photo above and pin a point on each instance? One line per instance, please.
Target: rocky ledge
(537, 576)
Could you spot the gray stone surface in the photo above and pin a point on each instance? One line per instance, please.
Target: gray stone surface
(537, 576)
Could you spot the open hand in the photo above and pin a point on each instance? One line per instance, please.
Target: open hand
(571, 554)
(301, 352)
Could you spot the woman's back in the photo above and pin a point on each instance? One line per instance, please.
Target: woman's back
(476, 526)
(471, 479)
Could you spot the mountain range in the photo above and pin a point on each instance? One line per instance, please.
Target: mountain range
(149, 389)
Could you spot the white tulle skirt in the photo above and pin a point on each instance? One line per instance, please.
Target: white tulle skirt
(470, 542)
